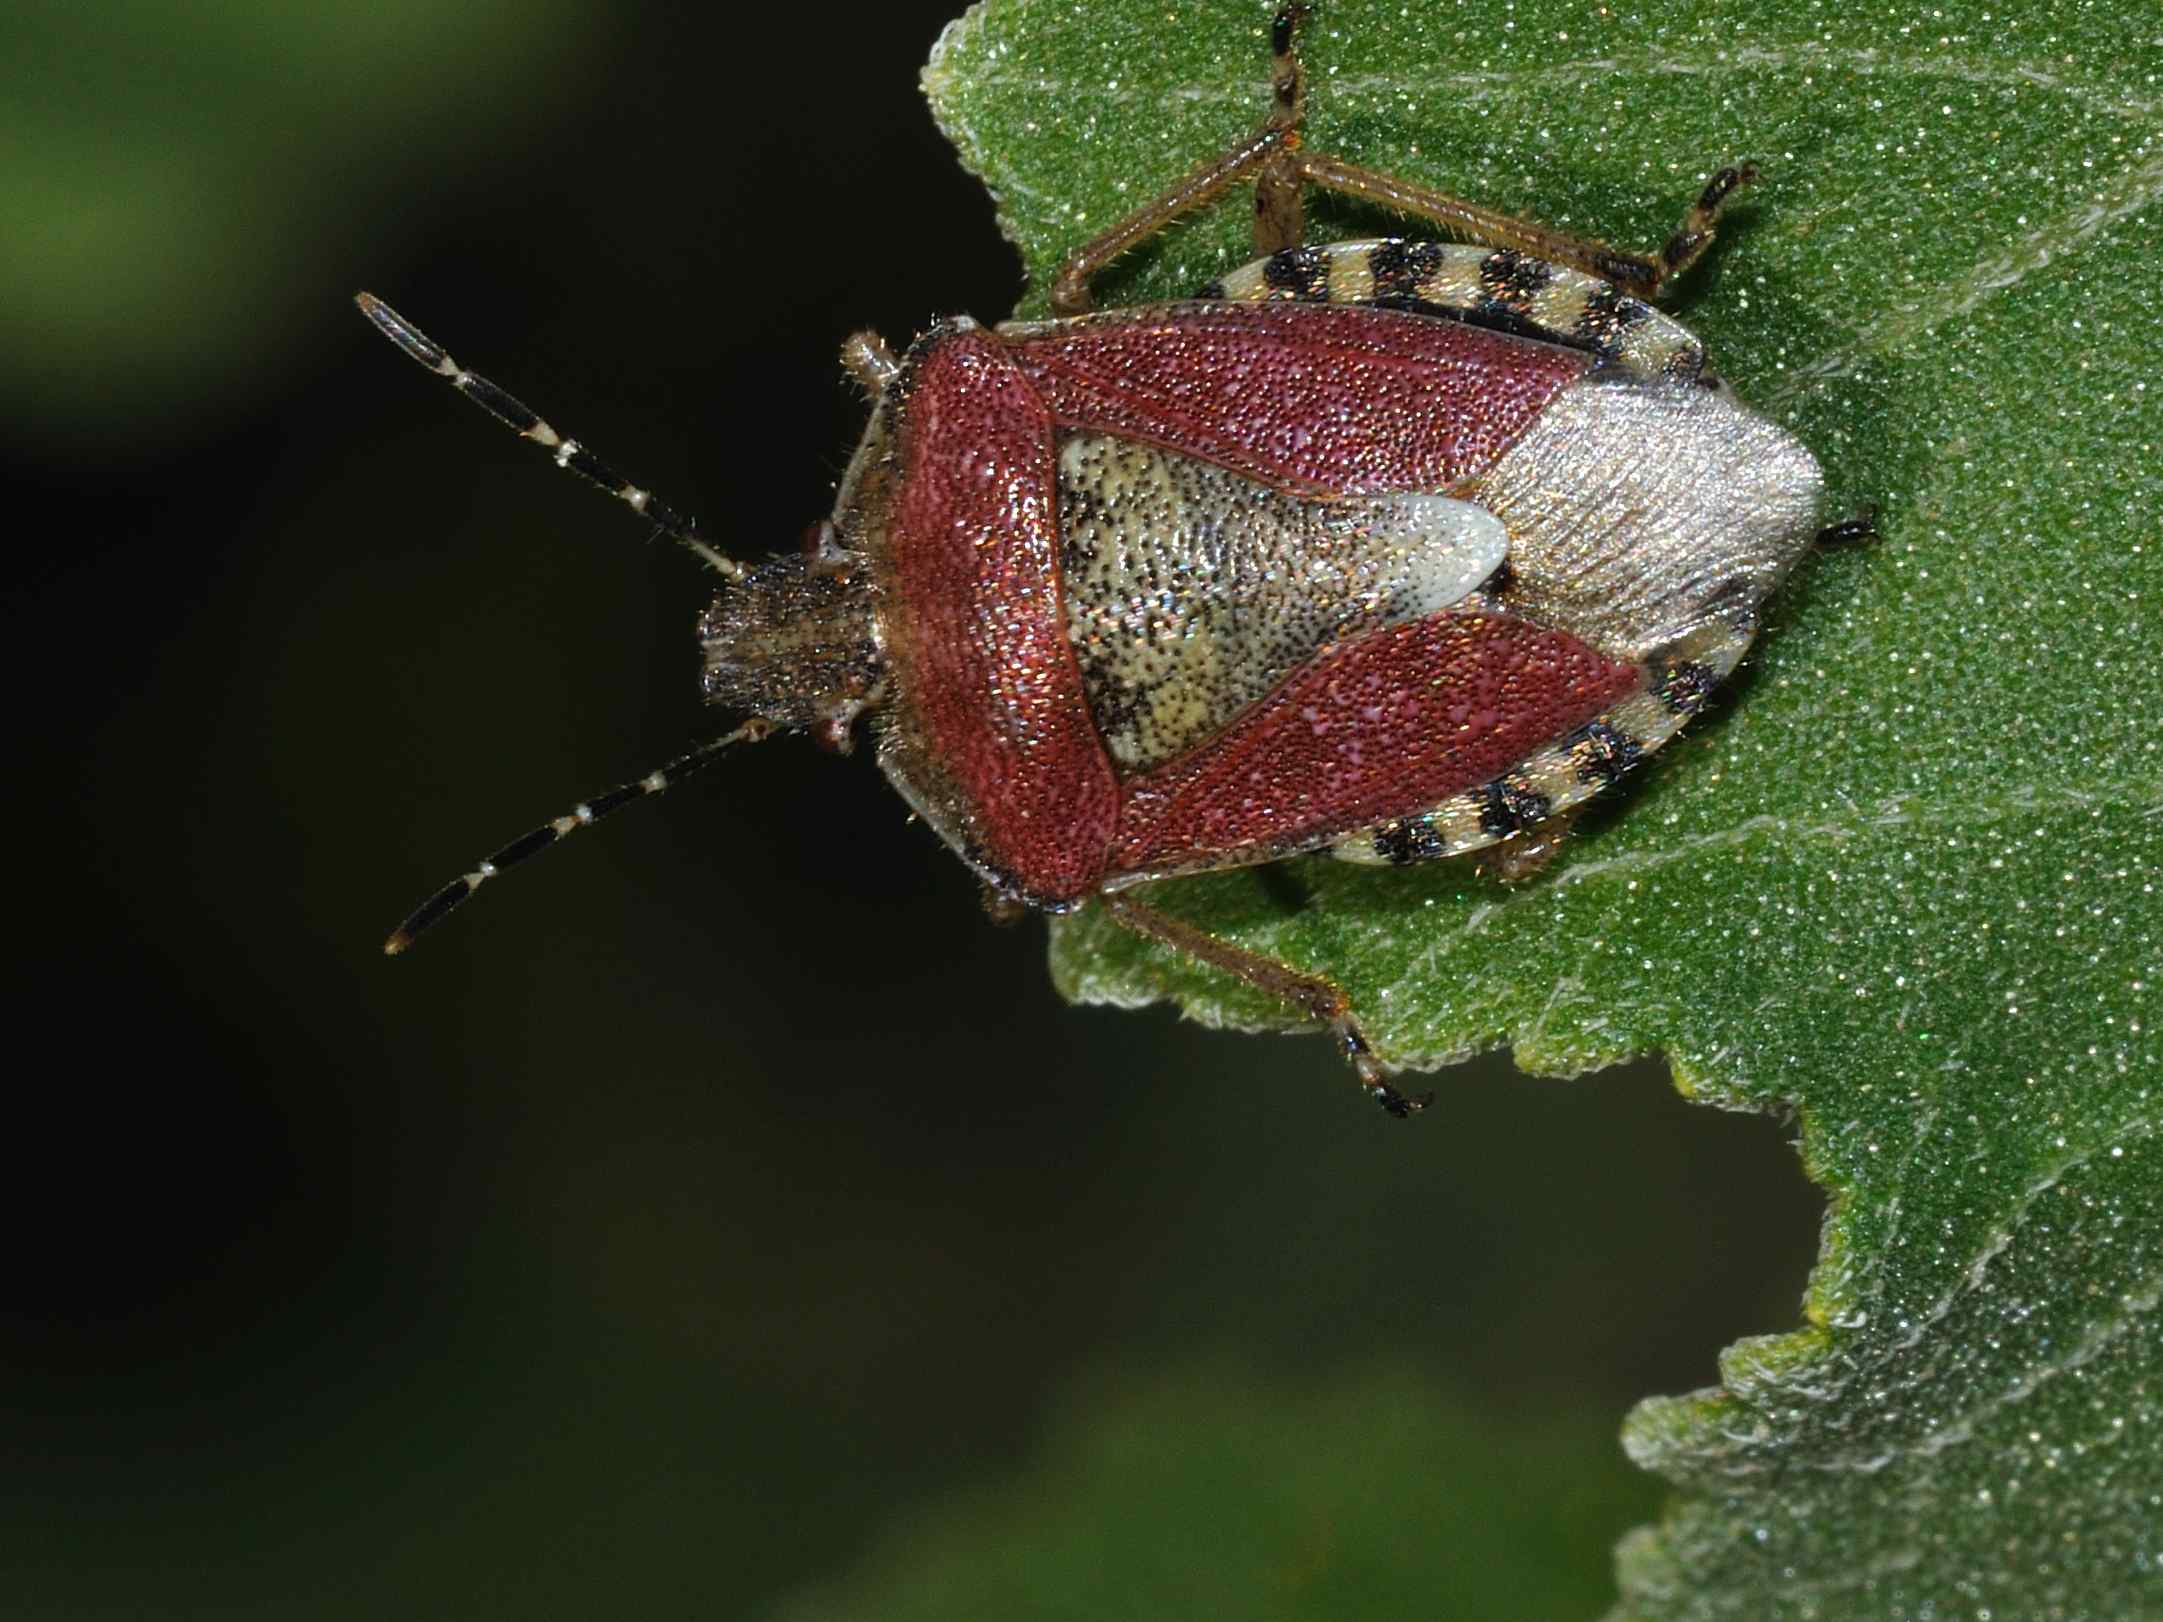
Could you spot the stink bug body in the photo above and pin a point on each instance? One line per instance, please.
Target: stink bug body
(1390, 549)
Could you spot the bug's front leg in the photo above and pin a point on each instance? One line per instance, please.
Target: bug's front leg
(1313, 994)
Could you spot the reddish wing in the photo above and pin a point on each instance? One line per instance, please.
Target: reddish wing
(1380, 726)
(977, 638)
(1329, 399)
(1334, 399)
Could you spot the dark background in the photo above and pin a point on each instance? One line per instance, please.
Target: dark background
(722, 1191)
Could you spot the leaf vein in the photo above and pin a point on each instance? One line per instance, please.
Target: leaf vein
(1916, 319)
(1481, 84)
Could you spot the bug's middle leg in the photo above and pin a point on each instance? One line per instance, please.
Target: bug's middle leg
(1319, 998)
(1266, 156)
(1286, 168)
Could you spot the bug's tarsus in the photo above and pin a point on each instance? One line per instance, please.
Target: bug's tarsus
(527, 423)
(583, 815)
(1699, 225)
(1717, 189)
(1402, 1105)
(1279, 209)
(1317, 996)
(1352, 1042)
(1285, 28)
(1850, 531)
(1287, 81)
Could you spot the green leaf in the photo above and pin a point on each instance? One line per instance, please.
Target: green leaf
(1903, 883)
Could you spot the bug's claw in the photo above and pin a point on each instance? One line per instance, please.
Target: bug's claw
(1371, 1074)
(1862, 527)
(1401, 1105)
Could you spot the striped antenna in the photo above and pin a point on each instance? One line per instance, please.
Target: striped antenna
(582, 815)
(527, 423)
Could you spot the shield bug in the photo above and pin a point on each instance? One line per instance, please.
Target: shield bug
(1392, 549)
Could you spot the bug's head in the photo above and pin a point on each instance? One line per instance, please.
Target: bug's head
(792, 642)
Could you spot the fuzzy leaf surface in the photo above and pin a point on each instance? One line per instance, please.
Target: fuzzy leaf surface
(1902, 881)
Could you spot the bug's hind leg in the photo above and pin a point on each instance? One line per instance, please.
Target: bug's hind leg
(1265, 157)
(1319, 998)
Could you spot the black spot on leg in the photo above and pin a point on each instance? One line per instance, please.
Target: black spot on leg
(1685, 686)
(1300, 273)
(1603, 753)
(1509, 808)
(586, 465)
(1400, 269)
(1211, 290)
(1282, 30)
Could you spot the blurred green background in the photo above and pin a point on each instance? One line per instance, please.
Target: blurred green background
(721, 1218)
